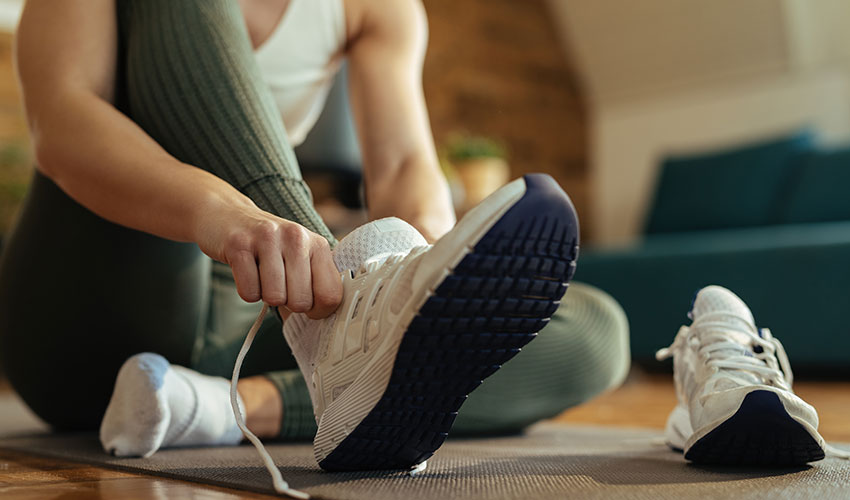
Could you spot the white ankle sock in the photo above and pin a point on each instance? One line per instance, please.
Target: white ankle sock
(157, 405)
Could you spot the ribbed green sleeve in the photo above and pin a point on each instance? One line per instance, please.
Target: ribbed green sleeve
(193, 85)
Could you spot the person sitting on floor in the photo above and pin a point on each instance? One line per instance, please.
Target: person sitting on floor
(167, 202)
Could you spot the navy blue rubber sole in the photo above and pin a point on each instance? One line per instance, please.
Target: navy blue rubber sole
(493, 303)
(760, 433)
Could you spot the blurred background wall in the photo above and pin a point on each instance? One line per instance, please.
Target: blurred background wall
(497, 68)
(596, 92)
(674, 76)
(15, 155)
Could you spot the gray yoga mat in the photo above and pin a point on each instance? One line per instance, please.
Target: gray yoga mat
(550, 461)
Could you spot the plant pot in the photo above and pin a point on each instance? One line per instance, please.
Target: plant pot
(480, 177)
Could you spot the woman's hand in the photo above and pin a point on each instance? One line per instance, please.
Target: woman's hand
(272, 259)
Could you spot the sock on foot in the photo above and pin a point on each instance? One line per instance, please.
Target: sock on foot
(157, 405)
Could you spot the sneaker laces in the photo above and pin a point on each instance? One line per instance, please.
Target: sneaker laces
(722, 347)
(280, 485)
(832, 451)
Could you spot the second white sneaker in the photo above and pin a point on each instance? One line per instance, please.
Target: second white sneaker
(733, 383)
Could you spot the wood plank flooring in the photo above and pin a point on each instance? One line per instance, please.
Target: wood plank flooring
(646, 400)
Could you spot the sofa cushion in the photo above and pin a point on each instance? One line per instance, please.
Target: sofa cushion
(819, 190)
(793, 276)
(725, 189)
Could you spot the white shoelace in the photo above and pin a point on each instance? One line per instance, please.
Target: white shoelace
(723, 350)
(718, 343)
(280, 485)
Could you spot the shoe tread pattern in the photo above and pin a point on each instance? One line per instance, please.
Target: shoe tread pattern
(493, 303)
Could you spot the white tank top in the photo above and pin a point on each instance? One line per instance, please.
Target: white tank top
(299, 60)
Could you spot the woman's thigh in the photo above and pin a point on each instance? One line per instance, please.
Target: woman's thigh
(78, 295)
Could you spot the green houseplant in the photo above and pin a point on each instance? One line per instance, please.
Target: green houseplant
(480, 165)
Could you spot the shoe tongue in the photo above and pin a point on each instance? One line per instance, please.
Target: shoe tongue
(713, 299)
(376, 240)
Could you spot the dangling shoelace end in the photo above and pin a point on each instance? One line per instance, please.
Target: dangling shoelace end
(667, 352)
(832, 451)
(280, 486)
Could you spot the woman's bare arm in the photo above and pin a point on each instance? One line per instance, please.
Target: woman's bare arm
(403, 176)
(66, 56)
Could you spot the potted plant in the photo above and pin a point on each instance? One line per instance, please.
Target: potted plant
(480, 165)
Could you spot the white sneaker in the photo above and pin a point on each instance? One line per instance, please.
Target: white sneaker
(733, 383)
(420, 327)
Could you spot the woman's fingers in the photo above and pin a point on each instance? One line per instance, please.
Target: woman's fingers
(327, 284)
(273, 276)
(284, 264)
(245, 274)
(296, 258)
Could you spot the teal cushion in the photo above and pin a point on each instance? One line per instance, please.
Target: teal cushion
(793, 276)
(819, 191)
(725, 189)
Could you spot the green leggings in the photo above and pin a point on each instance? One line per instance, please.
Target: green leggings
(79, 295)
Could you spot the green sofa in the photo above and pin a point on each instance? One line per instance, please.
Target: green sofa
(769, 221)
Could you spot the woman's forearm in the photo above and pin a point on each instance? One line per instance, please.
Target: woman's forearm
(108, 164)
(66, 57)
(416, 192)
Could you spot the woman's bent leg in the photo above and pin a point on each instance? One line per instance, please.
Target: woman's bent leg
(193, 85)
(79, 295)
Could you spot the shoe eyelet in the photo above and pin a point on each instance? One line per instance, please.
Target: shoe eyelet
(356, 308)
(377, 294)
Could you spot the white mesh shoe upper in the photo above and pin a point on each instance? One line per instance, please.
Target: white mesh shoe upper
(374, 240)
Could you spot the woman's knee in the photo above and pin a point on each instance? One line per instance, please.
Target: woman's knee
(583, 352)
(595, 329)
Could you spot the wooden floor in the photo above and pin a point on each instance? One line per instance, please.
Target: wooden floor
(644, 401)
